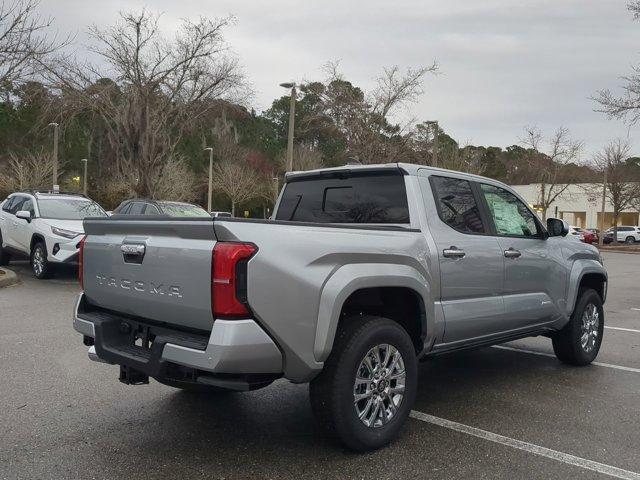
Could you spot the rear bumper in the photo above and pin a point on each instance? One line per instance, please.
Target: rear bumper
(238, 347)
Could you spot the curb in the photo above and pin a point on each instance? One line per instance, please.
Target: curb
(7, 278)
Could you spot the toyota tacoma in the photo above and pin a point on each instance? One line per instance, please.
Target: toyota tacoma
(361, 272)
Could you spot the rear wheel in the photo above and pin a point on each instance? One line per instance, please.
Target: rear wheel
(39, 264)
(629, 240)
(4, 255)
(368, 385)
(578, 343)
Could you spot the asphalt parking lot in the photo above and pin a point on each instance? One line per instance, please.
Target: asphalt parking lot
(510, 412)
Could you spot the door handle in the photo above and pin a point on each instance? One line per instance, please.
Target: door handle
(512, 253)
(453, 252)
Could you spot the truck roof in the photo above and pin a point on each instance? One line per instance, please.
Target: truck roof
(407, 168)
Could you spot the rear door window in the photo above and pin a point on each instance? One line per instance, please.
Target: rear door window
(456, 204)
(371, 197)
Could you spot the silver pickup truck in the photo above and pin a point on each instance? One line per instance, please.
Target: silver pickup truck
(361, 273)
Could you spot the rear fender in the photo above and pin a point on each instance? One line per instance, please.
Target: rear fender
(352, 277)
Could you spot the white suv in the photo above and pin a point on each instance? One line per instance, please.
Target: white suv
(46, 227)
(626, 234)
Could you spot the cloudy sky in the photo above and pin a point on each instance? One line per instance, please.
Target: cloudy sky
(504, 63)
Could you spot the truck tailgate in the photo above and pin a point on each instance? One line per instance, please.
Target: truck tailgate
(156, 269)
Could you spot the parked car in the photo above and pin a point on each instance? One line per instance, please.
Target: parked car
(583, 235)
(626, 234)
(364, 271)
(45, 226)
(596, 234)
(143, 206)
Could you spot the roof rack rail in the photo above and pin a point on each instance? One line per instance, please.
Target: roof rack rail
(52, 192)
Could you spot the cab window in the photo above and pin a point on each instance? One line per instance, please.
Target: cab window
(510, 216)
(456, 204)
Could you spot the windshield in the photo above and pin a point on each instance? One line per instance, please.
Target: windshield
(183, 210)
(69, 208)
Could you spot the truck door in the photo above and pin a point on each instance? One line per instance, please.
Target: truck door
(534, 275)
(470, 258)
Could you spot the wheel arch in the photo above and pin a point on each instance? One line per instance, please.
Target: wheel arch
(377, 289)
(586, 274)
(35, 238)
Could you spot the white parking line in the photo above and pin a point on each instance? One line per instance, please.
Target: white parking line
(636, 309)
(600, 364)
(623, 329)
(528, 447)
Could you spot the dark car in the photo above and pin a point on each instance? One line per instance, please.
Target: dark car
(142, 206)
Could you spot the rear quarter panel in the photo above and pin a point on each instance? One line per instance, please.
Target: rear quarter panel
(302, 274)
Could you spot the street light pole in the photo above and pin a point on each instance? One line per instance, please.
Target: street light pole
(436, 131)
(84, 177)
(604, 198)
(210, 150)
(292, 116)
(55, 153)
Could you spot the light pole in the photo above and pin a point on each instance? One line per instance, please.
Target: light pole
(292, 116)
(210, 150)
(436, 131)
(84, 177)
(55, 153)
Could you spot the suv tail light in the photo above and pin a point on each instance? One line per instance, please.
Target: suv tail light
(229, 279)
(81, 262)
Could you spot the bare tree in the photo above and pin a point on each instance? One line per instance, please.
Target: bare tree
(465, 159)
(364, 119)
(150, 91)
(233, 176)
(622, 189)
(23, 41)
(552, 169)
(304, 158)
(627, 105)
(26, 171)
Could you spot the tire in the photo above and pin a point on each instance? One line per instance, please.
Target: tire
(5, 258)
(332, 392)
(569, 343)
(40, 267)
(629, 240)
(193, 387)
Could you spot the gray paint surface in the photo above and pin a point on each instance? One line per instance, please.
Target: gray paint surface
(302, 273)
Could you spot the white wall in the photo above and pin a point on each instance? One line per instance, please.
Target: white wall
(584, 198)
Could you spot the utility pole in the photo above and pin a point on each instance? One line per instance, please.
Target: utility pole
(604, 199)
(84, 177)
(292, 117)
(436, 131)
(209, 193)
(55, 153)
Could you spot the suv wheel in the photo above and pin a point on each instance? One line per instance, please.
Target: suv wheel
(39, 264)
(367, 388)
(4, 256)
(579, 341)
(629, 240)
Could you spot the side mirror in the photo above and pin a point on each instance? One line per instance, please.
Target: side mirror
(24, 215)
(557, 227)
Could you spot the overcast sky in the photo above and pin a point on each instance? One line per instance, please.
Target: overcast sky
(505, 63)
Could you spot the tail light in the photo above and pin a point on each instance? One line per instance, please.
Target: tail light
(81, 262)
(229, 279)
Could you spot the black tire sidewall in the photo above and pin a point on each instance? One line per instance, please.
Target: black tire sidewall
(349, 427)
(587, 297)
(4, 256)
(46, 268)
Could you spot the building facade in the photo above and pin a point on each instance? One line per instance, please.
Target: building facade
(580, 205)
